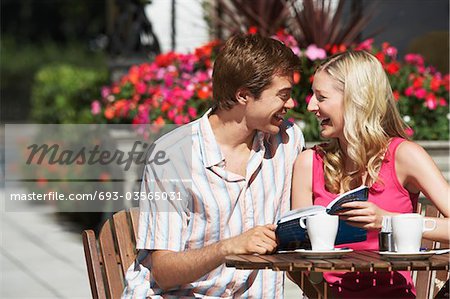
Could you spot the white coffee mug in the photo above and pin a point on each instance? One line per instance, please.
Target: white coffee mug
(407, 230)
(322, 230)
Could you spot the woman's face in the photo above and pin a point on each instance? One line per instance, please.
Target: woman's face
(327, 104)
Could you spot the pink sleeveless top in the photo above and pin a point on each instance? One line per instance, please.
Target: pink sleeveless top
(389, 195)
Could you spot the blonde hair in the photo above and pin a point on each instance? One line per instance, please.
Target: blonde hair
(371, 119)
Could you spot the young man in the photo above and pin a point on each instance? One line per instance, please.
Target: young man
(238, 159)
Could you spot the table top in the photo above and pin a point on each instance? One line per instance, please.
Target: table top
(364, 261)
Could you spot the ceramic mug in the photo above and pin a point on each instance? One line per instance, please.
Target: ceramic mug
(408, 229)
(322, 230)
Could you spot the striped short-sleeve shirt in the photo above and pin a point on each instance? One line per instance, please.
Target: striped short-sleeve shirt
(215, 204)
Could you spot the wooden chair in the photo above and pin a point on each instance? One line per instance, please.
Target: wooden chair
(428, 283)
(108, 258)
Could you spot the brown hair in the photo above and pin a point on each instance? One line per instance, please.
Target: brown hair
(250, 62)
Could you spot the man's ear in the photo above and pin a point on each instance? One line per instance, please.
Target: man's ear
(243, 96)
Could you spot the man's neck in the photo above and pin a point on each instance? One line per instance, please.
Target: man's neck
(230, 129)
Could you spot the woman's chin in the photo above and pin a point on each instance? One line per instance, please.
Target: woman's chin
(326, 135)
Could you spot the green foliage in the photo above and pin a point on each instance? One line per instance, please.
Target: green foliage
(20, 62)
(63, 93)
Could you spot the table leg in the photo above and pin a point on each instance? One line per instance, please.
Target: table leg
(314, 286)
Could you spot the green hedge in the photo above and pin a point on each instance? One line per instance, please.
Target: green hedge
(20, 62)
(63, 93)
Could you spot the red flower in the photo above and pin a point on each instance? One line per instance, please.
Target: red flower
(109, 113)
(393, 67)
(446, 82)
(380, 56)
(418, 82)
(297, 77)
(253, 30)
(116, 89)
(206, 50)
(338, 49)
(159, 120)
(396, 95)
(435, 83)
(204, 92)
(164, 60)
(165, 107)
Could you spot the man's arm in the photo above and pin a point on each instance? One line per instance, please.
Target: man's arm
(171, 269)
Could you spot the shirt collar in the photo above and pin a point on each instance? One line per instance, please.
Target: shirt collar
(209, 148)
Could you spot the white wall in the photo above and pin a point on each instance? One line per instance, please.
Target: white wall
(191, 29)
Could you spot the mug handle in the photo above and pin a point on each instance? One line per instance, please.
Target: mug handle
(433, 226)
(302, 222)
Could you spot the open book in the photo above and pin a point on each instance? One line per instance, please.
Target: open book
(291, 236)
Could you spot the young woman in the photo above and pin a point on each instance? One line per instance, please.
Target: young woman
(354, 105)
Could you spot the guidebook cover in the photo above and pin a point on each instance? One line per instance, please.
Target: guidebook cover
(291, 236)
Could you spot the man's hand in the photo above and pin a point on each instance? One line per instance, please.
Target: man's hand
(260, 239)
(171, 269)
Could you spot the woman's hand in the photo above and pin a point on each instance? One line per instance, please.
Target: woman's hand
(363, 214)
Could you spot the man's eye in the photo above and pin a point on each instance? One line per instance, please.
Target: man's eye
(285, 96)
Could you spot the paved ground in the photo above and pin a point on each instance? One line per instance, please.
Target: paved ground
(40, 257)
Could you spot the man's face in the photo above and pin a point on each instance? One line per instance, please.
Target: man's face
(268, 111)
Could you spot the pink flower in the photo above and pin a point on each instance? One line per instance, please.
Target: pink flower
(96, 107)
(409, 91)
(409, 132)
(420, 93)
(192, 112)
(431, 101)
(179, 119)
(106, 91)
(365, 45)
(442, 102)
(314, 53)
(414, 59)
(171, 114)
(391, 51)
(308, 98)
(141, 87)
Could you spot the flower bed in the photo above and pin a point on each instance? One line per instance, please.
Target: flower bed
(176, 88)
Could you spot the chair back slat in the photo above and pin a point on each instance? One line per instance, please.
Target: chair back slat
(425, 283)
(125, 240)
(134, 213)
(115, 283)
(93, 264)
